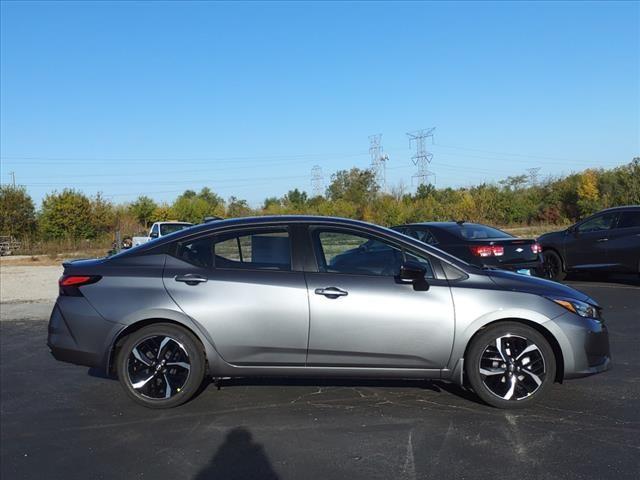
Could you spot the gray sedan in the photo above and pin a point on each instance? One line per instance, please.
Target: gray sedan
(316, 296)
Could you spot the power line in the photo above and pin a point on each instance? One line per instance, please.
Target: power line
(248, 158)
(422, 158)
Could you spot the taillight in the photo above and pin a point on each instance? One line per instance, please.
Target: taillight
(69, 284)
(487, 250)
(536, 248)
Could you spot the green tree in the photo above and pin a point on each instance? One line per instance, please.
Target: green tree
(17, 213)
(194, 207)
(238, 208)
(142, 209)
(216, 203)
(67, 215)
(295, 200)
(355, 185)
(103, 215)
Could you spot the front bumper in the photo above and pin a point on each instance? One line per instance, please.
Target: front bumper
(584, 344)
(78, 334)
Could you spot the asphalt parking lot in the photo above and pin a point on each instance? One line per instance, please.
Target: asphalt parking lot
(62, 421)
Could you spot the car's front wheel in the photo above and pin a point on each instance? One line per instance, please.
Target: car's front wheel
(510, 365)
(161, 365)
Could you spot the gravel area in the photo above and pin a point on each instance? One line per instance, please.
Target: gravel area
(20, 284)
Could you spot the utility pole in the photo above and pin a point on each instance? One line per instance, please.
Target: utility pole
(422, 158)
(378, 160)
(533, 176)
(317, 181)
(13, 178)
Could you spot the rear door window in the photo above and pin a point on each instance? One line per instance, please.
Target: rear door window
(248, 250)
(629, 219)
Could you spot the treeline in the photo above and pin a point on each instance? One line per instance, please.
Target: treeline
(71, 215)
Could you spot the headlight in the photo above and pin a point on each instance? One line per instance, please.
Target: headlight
(578, 307)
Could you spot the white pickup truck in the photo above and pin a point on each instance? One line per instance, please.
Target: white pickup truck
(160, 229)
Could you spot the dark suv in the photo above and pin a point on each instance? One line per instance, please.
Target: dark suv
(608, 242)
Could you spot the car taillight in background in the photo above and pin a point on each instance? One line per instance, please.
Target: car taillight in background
(69, 284)
(487, 250)
(536, 248)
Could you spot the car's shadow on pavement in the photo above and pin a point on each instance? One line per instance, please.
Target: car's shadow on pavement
(240, 457)
(437, 386)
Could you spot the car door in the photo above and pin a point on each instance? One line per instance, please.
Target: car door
(623, 244)
(586, 244)
(240, 286)
(362, 316)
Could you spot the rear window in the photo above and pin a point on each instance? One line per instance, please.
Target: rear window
(477, 232)
(168, 228)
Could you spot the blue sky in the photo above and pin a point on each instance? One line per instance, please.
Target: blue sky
(152, 98)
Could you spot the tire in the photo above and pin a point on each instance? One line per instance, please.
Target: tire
(161, 365)
(515, 378)
(553, 266)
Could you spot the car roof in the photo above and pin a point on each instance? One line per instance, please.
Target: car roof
(229, 223)
(621, 207)
(442, 224)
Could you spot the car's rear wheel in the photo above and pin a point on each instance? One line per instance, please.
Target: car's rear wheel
(161, 365)
(510, 365)
(553, 267)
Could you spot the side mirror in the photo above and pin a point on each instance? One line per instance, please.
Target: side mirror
(153, 235)
(413, 272)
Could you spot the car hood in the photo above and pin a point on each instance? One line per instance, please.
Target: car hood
(551, 237)
(535, 285)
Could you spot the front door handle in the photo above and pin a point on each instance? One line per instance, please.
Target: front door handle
(331, 292)
(191, 279)
(602, 240)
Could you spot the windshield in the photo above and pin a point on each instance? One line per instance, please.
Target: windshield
(167, 228)
(472, 231)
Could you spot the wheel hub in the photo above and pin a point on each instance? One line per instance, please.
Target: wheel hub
(158, 367)
(512, 367)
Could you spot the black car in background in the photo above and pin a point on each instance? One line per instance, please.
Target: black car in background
(479, 245)
(607, 242)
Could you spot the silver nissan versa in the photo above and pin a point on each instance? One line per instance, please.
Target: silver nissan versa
(316, 296)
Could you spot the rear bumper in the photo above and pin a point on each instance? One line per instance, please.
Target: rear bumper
(78, 334)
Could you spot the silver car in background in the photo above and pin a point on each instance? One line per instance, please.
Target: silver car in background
(316, 296)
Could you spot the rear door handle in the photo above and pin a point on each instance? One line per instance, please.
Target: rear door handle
(331, 292)
(191, 279)
(602, 240)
